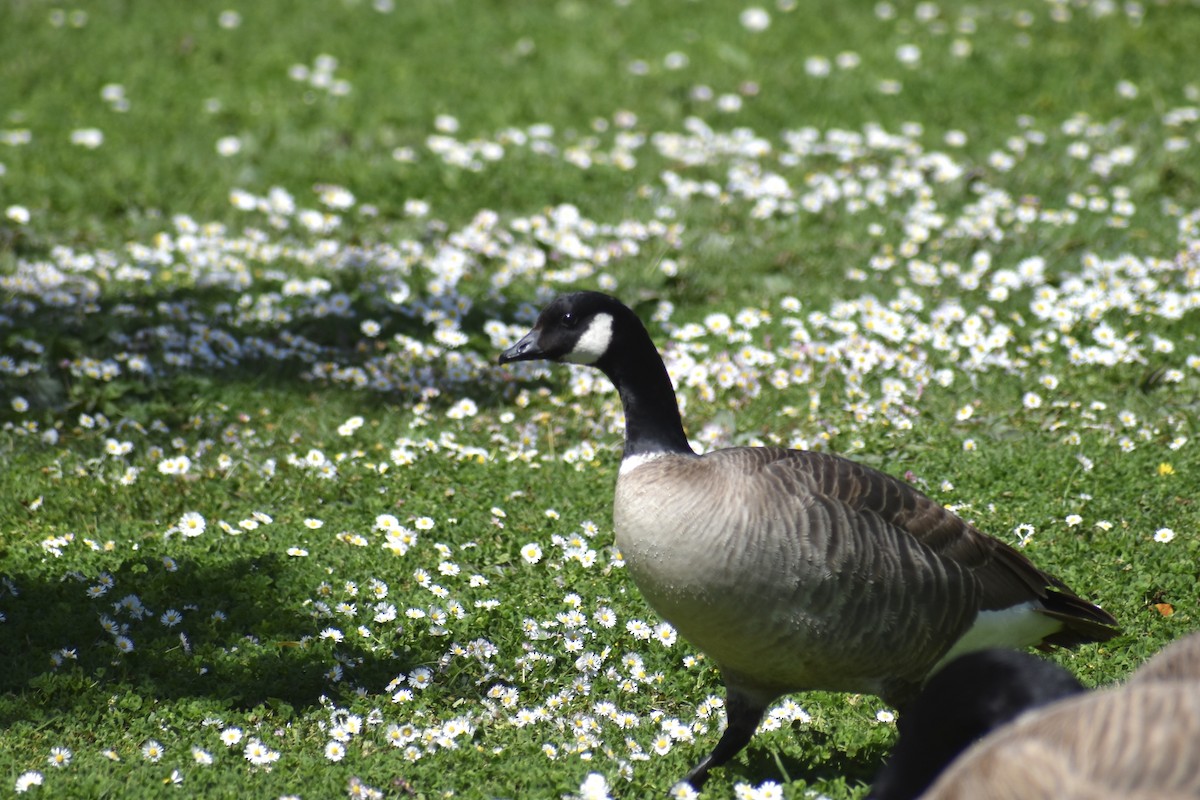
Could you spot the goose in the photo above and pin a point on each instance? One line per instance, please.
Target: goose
(1140, 740)
(794, 570)
(968, 698)
(982, 691)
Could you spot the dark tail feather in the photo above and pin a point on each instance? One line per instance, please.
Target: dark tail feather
(1082, 621)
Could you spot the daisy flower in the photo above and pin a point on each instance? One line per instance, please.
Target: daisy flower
(1164, 535)
(152, 750)
(683, 791)
(594, 787)
(192, 524)
(59, 757)
(639, 629)
(20, 215)
(755, 19)
(259, 754)
(28, 779)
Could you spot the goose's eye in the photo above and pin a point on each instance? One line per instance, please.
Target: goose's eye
(569, 320)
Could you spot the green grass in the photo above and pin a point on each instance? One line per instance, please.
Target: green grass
(145, 316)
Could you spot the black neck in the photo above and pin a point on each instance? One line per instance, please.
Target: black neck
(652, 421)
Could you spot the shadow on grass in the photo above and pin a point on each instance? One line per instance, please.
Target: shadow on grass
(251, 656)
(832, 761)
(153, 352)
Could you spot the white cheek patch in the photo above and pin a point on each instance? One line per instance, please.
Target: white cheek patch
(593, 343)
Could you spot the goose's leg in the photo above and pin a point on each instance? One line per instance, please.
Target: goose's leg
(742, 714)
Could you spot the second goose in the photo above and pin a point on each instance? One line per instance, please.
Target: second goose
(795, 570)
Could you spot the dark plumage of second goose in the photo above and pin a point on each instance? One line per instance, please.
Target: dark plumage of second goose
(1136, 741)
(795, 570)
(967, 699)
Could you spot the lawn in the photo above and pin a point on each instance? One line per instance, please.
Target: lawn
(274, 523)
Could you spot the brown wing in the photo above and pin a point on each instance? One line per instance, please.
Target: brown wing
(1005, 576)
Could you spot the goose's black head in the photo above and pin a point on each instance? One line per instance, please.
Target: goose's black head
(579, 328)
(595, 329)
(972, 696)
